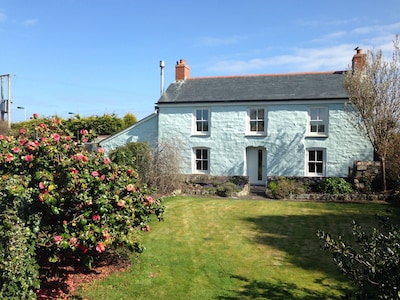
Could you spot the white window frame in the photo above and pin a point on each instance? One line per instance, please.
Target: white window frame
(202, 120)
(319, 158)
(258, 118)
(201, 159)
(321, 119)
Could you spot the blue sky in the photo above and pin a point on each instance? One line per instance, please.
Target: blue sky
(97, 57)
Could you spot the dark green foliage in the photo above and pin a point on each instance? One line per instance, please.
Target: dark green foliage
(372, 264)
(19, 273)
(335, 185)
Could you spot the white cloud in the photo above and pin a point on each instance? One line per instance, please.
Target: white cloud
(335, 54)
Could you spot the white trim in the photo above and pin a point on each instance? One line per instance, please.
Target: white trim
(248, 120)
(194, 160)
(194, 122)
(324, 121)
(324, 156)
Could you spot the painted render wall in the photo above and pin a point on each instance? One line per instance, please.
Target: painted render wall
(146, 130)
(286, 141)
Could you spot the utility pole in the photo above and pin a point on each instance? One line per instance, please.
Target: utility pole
(6, 103)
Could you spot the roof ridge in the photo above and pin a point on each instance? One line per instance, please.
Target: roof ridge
(267, 75)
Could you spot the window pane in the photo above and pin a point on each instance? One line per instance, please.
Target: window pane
(205, 115)
(205, 154)
(198, 165)
(261, 114)
(205, 165)
(311, 167)
(261, 126)
(319, 167)
(253, 114)
(314, 114)
(311, 155)
(321, 128)
(198, 153)
(205, 126)
(253, 126)
(198, 127)
(319, 155)
(313, 128)
(199, 114)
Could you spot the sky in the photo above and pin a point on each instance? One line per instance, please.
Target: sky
(95, 57)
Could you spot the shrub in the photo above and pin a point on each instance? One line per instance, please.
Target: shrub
(284, 187)
(226, 189)
(335, 185)
(67, 202)
(372, 264)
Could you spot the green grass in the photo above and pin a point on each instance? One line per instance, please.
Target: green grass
(212, 248)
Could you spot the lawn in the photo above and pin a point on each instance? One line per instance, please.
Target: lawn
(217, 248)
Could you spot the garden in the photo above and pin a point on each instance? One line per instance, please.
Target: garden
(220, 248)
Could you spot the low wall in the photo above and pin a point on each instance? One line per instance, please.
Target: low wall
(204, 184)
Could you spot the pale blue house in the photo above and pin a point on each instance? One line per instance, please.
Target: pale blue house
(256, 126)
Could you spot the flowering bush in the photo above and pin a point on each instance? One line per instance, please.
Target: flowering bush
(72, 202)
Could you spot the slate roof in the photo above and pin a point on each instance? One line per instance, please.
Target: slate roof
(304, 86)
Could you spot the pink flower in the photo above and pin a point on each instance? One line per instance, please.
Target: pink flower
(15, 149)
(146, 228)
(57, 239)
(31, 146)
(65, 222)
(1, 137)
(35, 116)
(9, 157)
(103, 177)
(95, 173)
(74, 171)
(129, 172)
(149, 200)
(28, 157)
(56, 137)
(106, 161)
(22, 131)
(130, 188)
(121, 203)
(67, 138)
(41, 199)
(101, 150)
(96, 218)
(101, 247)
(72, 241)
(22, 142)
(83, 131)
(41, 185)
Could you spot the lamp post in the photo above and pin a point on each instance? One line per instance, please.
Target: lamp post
(22, 107)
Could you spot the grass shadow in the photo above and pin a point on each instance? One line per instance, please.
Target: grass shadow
(273, 290)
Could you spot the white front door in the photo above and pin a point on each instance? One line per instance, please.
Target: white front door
(256, 165)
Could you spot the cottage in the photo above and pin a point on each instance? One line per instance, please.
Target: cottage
(256, 126)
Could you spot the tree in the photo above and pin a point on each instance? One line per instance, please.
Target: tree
(129, 120)
(373, 86)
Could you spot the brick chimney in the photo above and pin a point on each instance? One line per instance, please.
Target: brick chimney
(358, 60)
(182, 70)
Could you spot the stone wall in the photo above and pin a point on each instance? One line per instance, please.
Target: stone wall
(366, 175)
(204, 184)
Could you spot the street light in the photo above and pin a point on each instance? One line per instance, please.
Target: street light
(22, 107)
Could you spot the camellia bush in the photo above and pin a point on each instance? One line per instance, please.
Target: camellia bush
(59, 201)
